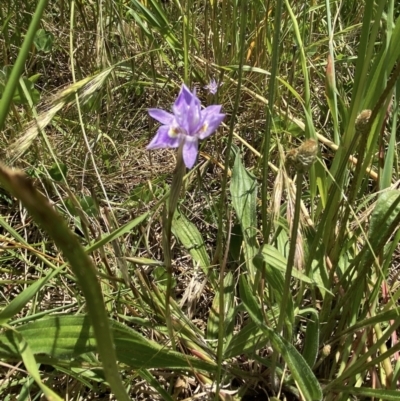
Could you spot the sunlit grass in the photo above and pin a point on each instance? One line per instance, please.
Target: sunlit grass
(303, 262)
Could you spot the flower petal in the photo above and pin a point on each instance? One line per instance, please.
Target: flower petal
(163, 139)
(187, 110)
(181, 106)
(211, 118)
(162, 116)
(193, 116)
(213, 86)
(190, 149)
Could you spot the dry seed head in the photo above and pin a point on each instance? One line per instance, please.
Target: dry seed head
(306, 155)
(290, 158)
(276, 197)
(362, 121)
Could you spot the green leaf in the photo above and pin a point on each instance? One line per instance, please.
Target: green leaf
(369, 393)
(31, 92)
(190, 237)
(89, 206)
(277, 261)
(32, 367)
(249, 339)
(161, 277)
(19, 302)
(58, 172)
(80, 263)
(301, 372)
(276, 282)
(250, 301)
(384, 222)
(146, 375)
(244, 200)
(311, 340)
(213, 318)
(67, 337)
(43, 41)
(156, 20)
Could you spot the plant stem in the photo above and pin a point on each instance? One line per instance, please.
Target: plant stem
(289, 267)
(219, 248)
(268, 120)
(168, 216)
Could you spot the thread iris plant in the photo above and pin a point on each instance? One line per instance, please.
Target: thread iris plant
(187, 124)
(213, 86)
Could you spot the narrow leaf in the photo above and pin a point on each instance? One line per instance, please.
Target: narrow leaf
(244, 200)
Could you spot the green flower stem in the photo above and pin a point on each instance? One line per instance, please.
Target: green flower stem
(168, 215)
(11, 86)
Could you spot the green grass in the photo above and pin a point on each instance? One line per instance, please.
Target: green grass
(267, 269)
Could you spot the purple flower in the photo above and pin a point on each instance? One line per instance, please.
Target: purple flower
(213, 86)
(186, 125)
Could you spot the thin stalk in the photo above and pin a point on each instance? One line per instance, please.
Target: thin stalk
(334, 109)
(186, 36)
(220, 236)
(289, 267)
(292, 251)
(168, 216)
(11, 86)
(268, 118)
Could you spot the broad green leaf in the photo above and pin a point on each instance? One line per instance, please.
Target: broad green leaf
(301, 372)
(86, 203)
(26, 93)
(67, 337)
(25, 84)
(249, 339)
(385, 213)
(276, 260)
(43, 41)
(250, 301)
(32, 367)
(89, 206)
(382, 317)
(161, 277)
(190, 237)
(58, 172)
(243, 190)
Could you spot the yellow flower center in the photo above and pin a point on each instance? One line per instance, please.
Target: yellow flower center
(173, 132)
